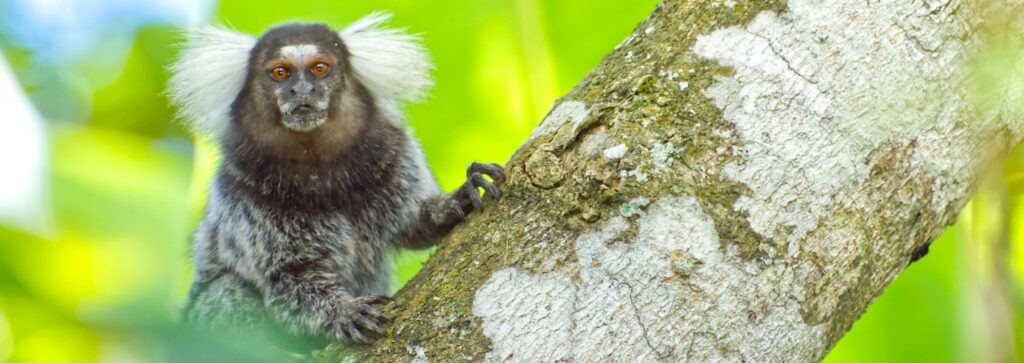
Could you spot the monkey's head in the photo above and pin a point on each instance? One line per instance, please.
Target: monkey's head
(300, 69)
(297, 78)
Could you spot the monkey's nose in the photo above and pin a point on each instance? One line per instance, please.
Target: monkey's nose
(302, 88)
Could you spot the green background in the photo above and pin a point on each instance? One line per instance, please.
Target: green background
(126, 187)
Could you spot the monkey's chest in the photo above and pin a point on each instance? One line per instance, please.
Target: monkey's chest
(261, 242)
(355, 259)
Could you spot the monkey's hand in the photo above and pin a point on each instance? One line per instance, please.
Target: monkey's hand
(440, 213)
(359, 320)
(468, 197)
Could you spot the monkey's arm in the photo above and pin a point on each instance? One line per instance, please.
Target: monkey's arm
(306, 295)
(438, 214)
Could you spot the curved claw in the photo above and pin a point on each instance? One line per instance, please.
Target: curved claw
(479, 181)
(377, 300)
(469, 190)
(369, 324)
(492, 170)
(354, 333)
(372, 311)
(497, 173)
(339, 332)
(376, 314)
(364, 322)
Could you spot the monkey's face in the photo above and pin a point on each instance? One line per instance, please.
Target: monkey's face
(303, 68)
(302, 78)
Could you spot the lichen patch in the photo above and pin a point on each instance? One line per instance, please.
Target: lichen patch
(805, 129)
(572, 111)
(630, 302)
(615, 152)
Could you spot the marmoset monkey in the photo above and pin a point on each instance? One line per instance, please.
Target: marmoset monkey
(320, 183)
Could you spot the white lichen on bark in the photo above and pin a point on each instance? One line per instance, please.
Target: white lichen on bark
(819, 88)
(632, 305)
(615, 152)
(567, 111)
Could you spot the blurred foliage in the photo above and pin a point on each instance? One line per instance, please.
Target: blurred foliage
(127, 185)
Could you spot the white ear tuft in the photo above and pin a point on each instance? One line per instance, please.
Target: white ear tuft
(392, 64)
(208, 75)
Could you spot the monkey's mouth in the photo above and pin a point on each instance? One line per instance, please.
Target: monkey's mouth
(304, 117)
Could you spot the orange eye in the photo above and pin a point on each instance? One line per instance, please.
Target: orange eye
(320, 69)
(279, 73)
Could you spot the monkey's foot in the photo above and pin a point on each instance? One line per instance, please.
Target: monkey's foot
(361, 322)
(467, 194)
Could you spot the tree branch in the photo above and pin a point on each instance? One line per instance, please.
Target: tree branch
(738, 180)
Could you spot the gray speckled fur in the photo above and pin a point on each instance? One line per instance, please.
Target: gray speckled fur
(300, 228)
(248, 241)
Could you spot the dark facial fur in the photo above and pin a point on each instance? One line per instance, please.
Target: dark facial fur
(302, 98)
(316, 189)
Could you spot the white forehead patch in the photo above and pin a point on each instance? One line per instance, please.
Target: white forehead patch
(299, 52)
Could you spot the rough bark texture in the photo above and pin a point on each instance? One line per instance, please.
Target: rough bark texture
(737, 181)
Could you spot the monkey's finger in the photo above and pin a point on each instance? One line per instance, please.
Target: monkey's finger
(473, 168)
(492, 170)
(474, 197)
(343, 337)
(497, 173)
(378, 299)
(451, 208)
(339, 332)
(468, 190)
(376, 314)
(457, 208)
(369, 324)
(356, 335)
(492, 190)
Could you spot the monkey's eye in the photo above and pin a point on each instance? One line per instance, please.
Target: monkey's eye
(279, 73)
(320, 69)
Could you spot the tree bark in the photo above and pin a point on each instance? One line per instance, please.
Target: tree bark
(736, 181)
